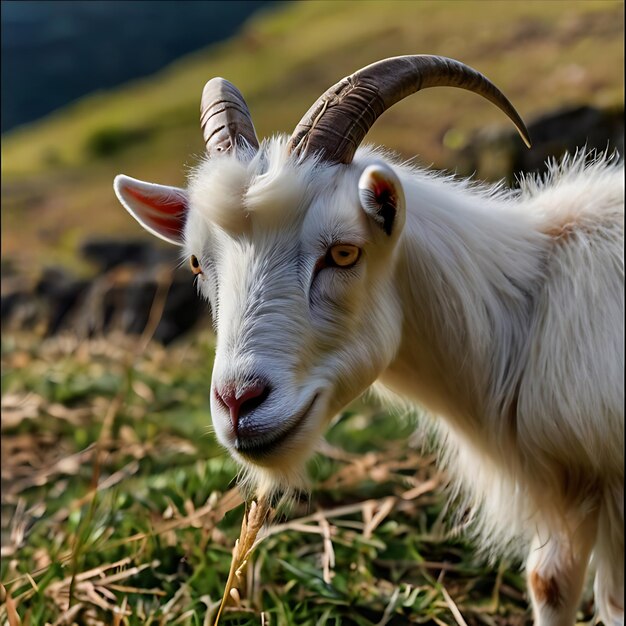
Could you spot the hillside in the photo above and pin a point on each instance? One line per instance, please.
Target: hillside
(57, 173)
(90, 46)
(118, 504)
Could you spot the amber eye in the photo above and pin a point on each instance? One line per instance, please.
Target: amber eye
(343, 255)
(195, 265)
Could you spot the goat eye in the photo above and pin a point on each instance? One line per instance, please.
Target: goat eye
(195, 265)
(343, 255)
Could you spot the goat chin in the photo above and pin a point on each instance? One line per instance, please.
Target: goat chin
(501, 312)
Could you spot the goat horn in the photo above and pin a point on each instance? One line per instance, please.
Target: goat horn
(338, 122)
(224, 116)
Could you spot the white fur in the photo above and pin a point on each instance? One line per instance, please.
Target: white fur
(499, 311)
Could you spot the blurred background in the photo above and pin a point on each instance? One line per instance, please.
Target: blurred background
(92, 89)
(106, 352)
(64, 50)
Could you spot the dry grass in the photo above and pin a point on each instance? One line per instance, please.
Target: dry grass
(118, 506)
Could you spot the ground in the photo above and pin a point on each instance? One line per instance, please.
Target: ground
(118, 506)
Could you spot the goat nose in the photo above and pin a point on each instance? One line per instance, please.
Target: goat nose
(243, 402)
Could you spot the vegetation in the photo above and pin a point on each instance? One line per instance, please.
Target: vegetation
(87, 46)
(119, 508)
(542, 54)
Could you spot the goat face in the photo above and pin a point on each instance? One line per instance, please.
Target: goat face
(296, 260)
(294, 243)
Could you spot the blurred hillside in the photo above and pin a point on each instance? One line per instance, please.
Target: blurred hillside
(118, 506)
(57, 173)
(94, 45)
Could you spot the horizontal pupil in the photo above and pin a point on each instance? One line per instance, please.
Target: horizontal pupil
(344, 255)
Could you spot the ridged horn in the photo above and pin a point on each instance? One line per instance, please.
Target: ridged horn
(224, 116)
(339, 120)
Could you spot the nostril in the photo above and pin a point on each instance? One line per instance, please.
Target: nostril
(249, 404)
(242, 403)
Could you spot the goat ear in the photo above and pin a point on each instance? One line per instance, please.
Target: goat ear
(382, 197)
(161, 210)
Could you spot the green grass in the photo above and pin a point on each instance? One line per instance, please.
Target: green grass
(58, 171)
(119, 507)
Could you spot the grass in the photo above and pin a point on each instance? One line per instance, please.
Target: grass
(543, 55)
(118, 507)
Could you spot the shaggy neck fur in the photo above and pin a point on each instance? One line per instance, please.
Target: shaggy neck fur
(476, 273)
(501, 312)
(474, 263)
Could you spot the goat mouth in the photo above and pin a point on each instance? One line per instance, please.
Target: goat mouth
(258, 450)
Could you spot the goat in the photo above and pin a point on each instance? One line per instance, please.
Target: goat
(330, 267)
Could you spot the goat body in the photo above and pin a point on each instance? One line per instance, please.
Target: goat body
(499, 311)
(513, 318)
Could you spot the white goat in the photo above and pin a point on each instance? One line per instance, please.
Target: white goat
(501, 311)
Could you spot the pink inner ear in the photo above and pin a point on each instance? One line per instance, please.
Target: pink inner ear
(165, 213)
(383, 190)
(172, 206)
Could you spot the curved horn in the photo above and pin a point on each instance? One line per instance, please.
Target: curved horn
(337, 123)
(223, 116)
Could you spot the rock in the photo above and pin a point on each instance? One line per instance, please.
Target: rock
(18, 309)
(109, 253)
(129, 305)
(62, 293)
(123, 298)
(498, 153)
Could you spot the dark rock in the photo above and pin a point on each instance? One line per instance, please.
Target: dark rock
(131, 289)
(126, 299)
(61, 293)
(109, 253)
(17, 307)
(183, 308)
(494, 154)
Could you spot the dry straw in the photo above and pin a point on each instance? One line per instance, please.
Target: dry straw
(253, 520)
